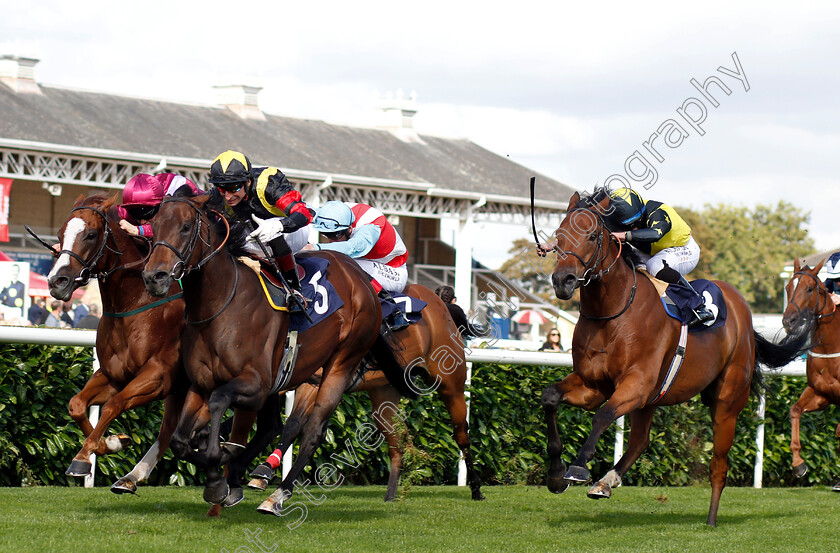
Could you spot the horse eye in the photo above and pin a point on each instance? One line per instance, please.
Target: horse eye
(593, 236)
(186, 227)
(90, 235)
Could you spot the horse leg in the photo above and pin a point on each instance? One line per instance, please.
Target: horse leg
(628, 397)
(728, 401)
(456, 404)
(194, 415)
(98, 389)
(809, 401)
(329, 394)
(145, 387)
(394, 433)
(172, 406)
(571, 390)
(638, 442)
(305, 396)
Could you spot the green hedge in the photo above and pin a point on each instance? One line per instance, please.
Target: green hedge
(38, 438)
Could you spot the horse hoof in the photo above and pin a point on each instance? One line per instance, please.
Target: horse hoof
(577, 474)
(234, 497)
(124, 485)
(273, 505)
(800, 470)
(556, 485)
(263, 472)
(599, 491)
(478, 496)
(216, 493)
(232, 448)
(78, 468)
(258, 484)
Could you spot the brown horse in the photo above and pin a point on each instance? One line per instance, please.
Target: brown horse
(433, 344)
(138, 339)
(811, 310)
(234, 341)
(624, 344)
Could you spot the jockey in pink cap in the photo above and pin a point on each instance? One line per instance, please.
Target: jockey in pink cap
(142, 196)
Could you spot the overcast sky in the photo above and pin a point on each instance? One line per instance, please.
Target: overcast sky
(570, 90)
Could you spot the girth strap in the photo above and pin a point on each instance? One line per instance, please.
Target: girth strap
(146, 307)
(676, 363)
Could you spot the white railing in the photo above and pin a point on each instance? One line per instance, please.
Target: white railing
(65, 337)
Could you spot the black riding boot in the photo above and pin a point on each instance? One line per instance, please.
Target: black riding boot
(285, 261)
(397, 320)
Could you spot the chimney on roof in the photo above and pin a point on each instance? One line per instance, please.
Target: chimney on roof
(18, 73)
(241, 99)
(397, 115)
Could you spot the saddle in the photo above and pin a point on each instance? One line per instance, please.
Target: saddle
(675, 301)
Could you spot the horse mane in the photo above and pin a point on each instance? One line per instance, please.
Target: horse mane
(593, 199)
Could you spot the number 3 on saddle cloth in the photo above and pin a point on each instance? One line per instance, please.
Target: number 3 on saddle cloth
(321, 298)
(677, 299)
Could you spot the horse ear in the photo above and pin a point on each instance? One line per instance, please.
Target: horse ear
(796, 265)
(819, 266)
(573, 202)
(79, 200)
(109, 203)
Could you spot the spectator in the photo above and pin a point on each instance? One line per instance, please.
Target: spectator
(468, 330)
(78, 312)
(38, 311)
(91, 320)
(65, 316)
(52, 320)
(552, 341)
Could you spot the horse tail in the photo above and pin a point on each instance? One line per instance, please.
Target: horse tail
(775, 355)
(397, 375)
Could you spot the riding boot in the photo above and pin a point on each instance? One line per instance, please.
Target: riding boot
(397, 320)
(701, 312)
(285, 260)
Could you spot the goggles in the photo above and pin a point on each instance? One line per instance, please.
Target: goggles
(232, 187)
(142, 212)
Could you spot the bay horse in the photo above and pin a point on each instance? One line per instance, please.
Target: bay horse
(234, 340)
(811, 310)
(432, 344)
(623, 345)
(137, 341)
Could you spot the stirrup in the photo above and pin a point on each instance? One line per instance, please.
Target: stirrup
(300, 305)
(702, 315)
(397, 321)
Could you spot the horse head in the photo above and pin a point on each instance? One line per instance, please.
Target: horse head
(808, 299)
(183, 240)
(582, 245)
(83, 240)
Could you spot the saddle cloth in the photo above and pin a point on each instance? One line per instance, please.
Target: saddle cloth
(412, 307)
(675, 299)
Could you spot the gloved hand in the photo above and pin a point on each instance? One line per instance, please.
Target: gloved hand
(267, 229)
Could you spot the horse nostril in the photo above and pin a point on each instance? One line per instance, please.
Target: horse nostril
(160, 276)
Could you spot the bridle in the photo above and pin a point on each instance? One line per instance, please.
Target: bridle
(823, 293)
(181, 268)
(590, 267)
(87, 271)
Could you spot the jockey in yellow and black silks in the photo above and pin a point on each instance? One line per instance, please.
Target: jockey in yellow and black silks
(662, 238)
(262, 197)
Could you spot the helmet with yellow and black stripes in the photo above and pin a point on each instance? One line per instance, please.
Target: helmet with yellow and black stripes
(230, 168)
(626, 207)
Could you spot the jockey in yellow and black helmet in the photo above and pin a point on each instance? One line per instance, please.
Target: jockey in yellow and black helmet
(662, 238)
(265, 197)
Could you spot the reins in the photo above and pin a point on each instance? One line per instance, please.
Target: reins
(818, 316)
(590, 267)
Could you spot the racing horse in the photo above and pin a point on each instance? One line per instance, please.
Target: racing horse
(234, 340)
(432, 344)
(623, 345)
(137, 341)
(811, 310)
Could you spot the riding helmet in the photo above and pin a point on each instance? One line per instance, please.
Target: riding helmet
(142, 189)
(230, 167)
(333, 217)
(626, 206)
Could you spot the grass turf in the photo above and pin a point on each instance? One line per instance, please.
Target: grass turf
(513, 518)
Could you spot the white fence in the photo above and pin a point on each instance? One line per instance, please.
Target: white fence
(64, 337)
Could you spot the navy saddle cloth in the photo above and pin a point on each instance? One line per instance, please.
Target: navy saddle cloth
(678, 299)
(412, 307)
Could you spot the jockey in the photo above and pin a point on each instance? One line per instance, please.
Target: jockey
(663, 239)
(142, 196)
(832, 279)
(265, 197)
(363, 233)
